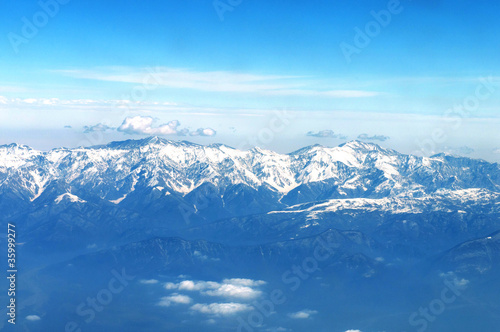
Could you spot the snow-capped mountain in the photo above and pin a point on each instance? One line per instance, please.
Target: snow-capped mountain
(127, 188)
(354, 169)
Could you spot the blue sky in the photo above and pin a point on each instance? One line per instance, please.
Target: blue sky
(424, 80)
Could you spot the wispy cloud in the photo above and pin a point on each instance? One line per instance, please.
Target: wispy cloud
(244, 282)
(448, 80)
(460, 283)
(119, 103)
(100, 127)
(148, 281)
(216, 81)
(462, 150)
(328, 93)
(303, 314)
(373, 137)
(327, 133)
(12, 89)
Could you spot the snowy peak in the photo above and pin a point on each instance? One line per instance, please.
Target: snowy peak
(16, 155)
(69, 197)
(307, 149)
(358, 145)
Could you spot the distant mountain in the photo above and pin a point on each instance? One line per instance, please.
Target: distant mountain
(477, 256)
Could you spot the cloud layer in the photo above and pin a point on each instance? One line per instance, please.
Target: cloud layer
(233, 295)
(216, 81)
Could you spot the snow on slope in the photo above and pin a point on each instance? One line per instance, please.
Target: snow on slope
(67, 196)
(409, 202)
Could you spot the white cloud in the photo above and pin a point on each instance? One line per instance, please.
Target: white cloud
(203, 132)
(178, 298)
(303, 314)
(234, 291)
(148, 281)
(222, 309)
(236, 288)
(171, 285)
(353, 331)
(144, 125)
(167, 301)
(244, 282)
(33, 318)
(460, 283)
(198, 285)
(199, 255)
(497, 151)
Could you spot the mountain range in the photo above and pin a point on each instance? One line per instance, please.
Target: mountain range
(168, 210)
